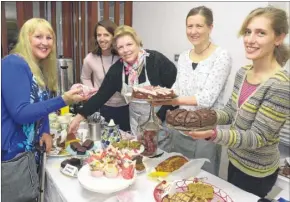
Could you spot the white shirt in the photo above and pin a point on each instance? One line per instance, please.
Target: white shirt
(207, 82)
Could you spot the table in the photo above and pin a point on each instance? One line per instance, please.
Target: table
(60, 188)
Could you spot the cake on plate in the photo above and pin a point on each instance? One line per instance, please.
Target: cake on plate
(153, 93)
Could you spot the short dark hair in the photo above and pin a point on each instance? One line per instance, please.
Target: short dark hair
(204, 11)
(110, 27)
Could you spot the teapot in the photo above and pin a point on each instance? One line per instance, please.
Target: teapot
(110, 134)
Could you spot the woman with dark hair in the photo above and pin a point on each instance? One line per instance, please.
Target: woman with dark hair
(96, 65)
(202, 74)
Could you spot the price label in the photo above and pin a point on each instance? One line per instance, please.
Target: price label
(70, 170)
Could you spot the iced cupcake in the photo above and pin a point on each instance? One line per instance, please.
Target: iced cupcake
(111, 171)
(97, 168)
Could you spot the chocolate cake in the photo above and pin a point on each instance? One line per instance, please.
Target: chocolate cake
(73, 161)
(81, 150)
(153, 92)
(75, 145)
(191, 119)
(88, 144)
(207, 117)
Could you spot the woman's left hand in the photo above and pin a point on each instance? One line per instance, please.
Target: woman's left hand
(200, 134)
(47, 140)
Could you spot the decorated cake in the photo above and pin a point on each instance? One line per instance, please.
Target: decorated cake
(153, 92)
(191, 119)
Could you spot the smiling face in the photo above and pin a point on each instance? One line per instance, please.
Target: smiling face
(197, 30)
(104, 38)
(127, 48)
(259, 38)
(41, 43)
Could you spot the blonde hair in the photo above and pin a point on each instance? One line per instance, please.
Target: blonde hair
(280, 26)
(48, 75)
(124, 30)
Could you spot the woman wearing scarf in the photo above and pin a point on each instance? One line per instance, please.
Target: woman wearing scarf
(136, 67)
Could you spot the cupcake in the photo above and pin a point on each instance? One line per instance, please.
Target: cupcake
(96, 168)
(128, 169)
(111, 171)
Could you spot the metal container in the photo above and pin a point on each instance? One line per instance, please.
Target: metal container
(65, 72)
(95, 131)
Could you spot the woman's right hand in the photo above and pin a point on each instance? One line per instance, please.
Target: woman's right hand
(74, 124)
(73, 96)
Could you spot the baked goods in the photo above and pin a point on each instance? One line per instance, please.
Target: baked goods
(88, 144)
(195, 192)
(153, 92)
(81, 151)
(191, 119)
(171, 164)
(75, 145)
(73, 161)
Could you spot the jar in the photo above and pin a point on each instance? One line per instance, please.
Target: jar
(148, 134)
(110, 134)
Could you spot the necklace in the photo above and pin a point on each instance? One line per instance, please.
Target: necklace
(203, 49)
(103, 63)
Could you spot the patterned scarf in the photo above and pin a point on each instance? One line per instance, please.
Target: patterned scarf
(135, 69)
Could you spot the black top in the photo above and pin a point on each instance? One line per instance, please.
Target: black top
(160, 70)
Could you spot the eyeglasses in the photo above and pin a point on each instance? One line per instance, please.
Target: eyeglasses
(194, 65)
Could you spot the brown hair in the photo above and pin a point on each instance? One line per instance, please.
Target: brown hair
(110, 27)
(127, 30)
(204, 11)
(279, 25)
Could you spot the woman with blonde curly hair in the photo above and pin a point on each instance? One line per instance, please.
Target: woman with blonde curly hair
(29, 76)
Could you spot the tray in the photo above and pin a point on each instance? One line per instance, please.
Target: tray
(181, 128)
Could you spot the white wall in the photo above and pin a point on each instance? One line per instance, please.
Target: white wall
(161, 26)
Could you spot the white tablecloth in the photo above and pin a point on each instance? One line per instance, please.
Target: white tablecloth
(60, 188)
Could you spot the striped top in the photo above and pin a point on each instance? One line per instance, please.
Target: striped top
(247, 90)
(253, 137)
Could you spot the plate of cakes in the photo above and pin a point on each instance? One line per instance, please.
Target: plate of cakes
(77, 148)
(186, 120)
(152, 93)
(195, 190)
(58, 146)
(107, 171)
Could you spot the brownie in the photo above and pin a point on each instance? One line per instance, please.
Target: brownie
(64, 163)
(88, 144)
(75, 145)
(81, 150)
(192, 120)
(73, 161)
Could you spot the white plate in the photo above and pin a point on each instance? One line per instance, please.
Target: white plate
(102, 184)
(53, 153)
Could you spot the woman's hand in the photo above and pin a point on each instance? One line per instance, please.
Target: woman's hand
(73, 96)
(200, 134)
(47, 140)
(74, 124)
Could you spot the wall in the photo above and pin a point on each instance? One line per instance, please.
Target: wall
(161, 25)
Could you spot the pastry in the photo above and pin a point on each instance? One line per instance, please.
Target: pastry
(191, 119)
(81, 150)
(171, 164)
(111, 170)
(153, 92)
(75, 145)
(88, 144)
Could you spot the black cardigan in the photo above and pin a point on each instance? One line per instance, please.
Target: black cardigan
(160, 70)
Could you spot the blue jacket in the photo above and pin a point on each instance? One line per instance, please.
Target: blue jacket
(23, 103)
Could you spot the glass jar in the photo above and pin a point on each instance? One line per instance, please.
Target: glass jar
(148, 134)
(110, 134)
